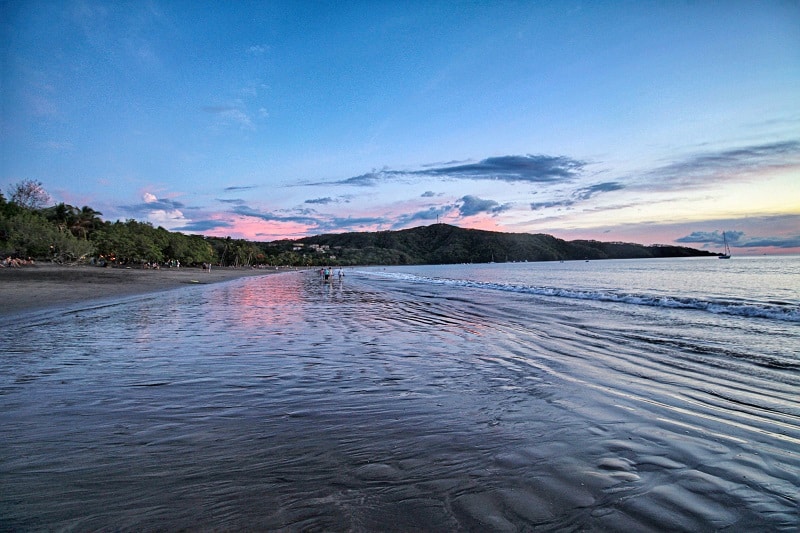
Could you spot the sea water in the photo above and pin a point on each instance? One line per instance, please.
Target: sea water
(605, 395)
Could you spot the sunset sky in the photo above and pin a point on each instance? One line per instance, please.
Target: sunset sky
(642, 121)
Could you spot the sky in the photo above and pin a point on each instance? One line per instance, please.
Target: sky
(656, 122)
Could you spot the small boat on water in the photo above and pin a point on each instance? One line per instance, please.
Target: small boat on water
(727, 253)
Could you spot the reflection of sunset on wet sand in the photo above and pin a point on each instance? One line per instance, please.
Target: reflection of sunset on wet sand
(258, 304)
(431, 398)
(44, 285)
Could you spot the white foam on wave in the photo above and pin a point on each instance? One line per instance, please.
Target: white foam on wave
(769, 310)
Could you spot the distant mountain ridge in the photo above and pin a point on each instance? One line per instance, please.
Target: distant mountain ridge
(446, 244)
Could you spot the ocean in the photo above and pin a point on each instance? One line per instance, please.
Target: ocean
(636, 395)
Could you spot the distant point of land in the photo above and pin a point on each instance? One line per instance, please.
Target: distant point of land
(446, 244)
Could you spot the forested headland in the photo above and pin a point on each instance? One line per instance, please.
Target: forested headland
(62, 233)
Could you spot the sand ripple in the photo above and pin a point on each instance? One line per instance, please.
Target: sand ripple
(280, 403)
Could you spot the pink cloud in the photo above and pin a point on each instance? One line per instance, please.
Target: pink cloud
(256, 229)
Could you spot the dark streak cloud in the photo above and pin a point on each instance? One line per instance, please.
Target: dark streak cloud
(711, 237)
(430, 214)
(707, 167)
(536, 206)
(323, 201)
(155, 205)
(579, 195)
(204, 225)
(446, 164)
(587, 192)
(738, 239)
(351, 224)
(472, 205)
(369, 179)
(240, 188)
(776, 242)
(513, 168)
(343, 199)
(509, 168)
(247, 211)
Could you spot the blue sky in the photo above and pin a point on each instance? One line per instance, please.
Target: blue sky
(652, 122)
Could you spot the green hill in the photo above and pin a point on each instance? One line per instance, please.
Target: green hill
(68, 234)
(445, 244)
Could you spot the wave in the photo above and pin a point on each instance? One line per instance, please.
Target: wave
(773, 310)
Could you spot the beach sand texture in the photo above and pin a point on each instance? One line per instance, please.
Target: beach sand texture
(375, 403)
(40, 286)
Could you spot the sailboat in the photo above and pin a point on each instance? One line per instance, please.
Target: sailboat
(727, 254)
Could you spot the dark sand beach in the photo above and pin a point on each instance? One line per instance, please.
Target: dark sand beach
(40, 286)
(386, 401)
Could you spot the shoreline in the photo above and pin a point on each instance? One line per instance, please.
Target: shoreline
(47, 286)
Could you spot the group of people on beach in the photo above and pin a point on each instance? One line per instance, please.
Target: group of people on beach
(327, 272)
(155, 265)
(15, 262)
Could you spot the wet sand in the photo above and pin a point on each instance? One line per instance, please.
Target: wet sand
(41, 286)
(288, 404)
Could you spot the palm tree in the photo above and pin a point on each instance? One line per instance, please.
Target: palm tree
(84, 221)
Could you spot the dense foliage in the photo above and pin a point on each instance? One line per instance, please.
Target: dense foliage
(445, 244)
(65, 233)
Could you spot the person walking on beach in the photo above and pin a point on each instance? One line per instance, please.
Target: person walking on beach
(340, 274)
(326, 274)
